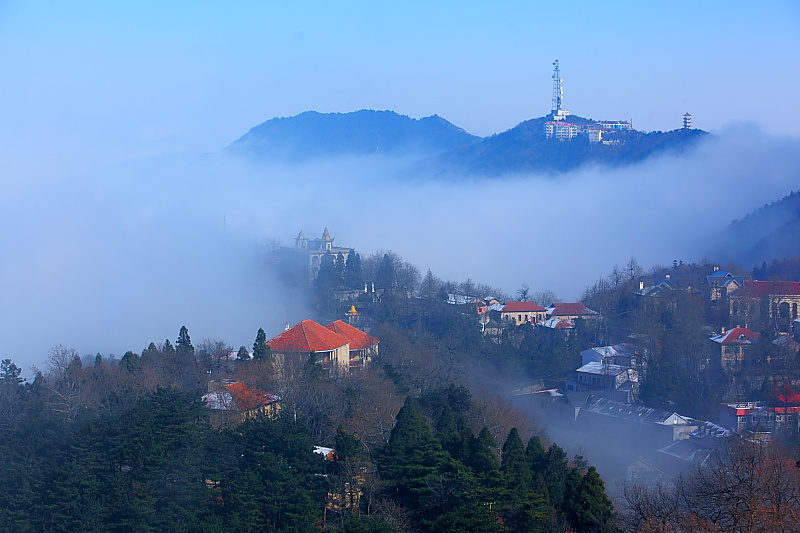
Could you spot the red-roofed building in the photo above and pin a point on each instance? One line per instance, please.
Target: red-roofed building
(232, 402)
(734, 346)
(308, 337)
(522, 313)
(761, 300)
(570, 311)
(363, 346)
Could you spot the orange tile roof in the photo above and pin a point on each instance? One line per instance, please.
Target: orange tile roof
(307, 336)
(521, 307)
(737, 336)
(236, 396)
(571, 309)
(358, 339)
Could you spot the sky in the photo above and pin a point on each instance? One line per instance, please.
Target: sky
(120, 222)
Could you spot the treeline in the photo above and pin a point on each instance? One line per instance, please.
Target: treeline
(158, 466)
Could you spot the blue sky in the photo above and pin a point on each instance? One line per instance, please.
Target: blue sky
(156, 77)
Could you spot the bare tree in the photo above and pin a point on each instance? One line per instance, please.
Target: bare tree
(749, 486)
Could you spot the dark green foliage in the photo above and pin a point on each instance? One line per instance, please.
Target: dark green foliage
(588, 508)
(474, 517)
(10, 373)
(130, 362)
(482, 458)
(168, 349)
(386, 277)
(419, 473)
(154, 467)
(536, 454)
(346, 445)
(242, 354)
(353, 272)
(556, 470)
(515, 463)
(183, 346)
(260, 348)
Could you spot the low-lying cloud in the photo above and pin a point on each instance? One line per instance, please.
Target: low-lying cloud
(109, 259)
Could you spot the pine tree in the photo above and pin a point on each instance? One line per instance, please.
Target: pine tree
(536, 454)
(242, 354)
(588, 507)
(183, 346)
(514, 463)
(353, 273)
(412, 457)
(260, 347)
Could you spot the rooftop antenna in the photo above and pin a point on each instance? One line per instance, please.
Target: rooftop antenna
(558, 89)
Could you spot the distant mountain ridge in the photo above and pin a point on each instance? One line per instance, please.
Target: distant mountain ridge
(312, 135)
(768, 233)
(524, 149)
(447, 151)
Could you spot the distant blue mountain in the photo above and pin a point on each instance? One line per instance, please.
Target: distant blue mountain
(447, 151)
(768, 233)
(312, 135)
(525, 149)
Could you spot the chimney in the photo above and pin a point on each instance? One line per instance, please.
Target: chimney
(286, 327)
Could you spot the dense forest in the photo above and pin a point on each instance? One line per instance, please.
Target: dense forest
(425, 437)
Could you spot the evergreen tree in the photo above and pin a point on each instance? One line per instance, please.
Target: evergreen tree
(514, 463)
(386, 277)
(556, 470)
(482, 458)
(353, 273)
(242, 354)
(536, 455)
(183, 346)
(10, 373)
(130, 362)
(168, 349)
(589, 508)
(260, 347)
(412, 457)
(327, 277)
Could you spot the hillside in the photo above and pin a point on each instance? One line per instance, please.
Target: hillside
(770, 232)
(446, 150)
(524, 148)
(313, 135)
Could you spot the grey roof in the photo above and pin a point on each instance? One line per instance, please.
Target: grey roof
(600, 369)
(631, 412)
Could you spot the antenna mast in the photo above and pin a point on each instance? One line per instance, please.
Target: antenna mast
(558, 89)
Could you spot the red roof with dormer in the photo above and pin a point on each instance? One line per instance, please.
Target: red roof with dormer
(759, 289)
(521, 307)
(737, 336)
(358, 339)
(569, 309)
(307, 336)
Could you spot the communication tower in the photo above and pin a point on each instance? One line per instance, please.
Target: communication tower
(558, 89)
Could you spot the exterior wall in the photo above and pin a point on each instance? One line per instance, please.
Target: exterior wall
(521, 317)
(563, 131)
(226, 418)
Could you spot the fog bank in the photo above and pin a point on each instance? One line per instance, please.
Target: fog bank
(109, 257)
